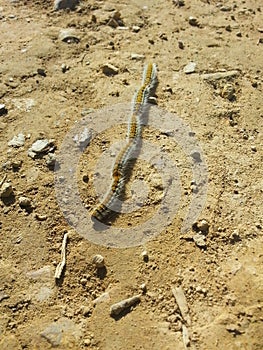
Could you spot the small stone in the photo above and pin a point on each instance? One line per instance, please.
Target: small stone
(31, 154)
(121, 306)
(40, 217)
(87, 342)
(225, 8)
(194, 188)
(196, 156)
(98, 261)
(137, 57)
(6, 190)
(193, 21)
(24, 202)
(3, 109)
(65, 4)
(41, 146)
(64, 68)
(68, 36)
(180, 44)
(85, 178)
(145, 256)
(199, 240)
(115, 20)
(51, 160)
(16, 164)
(239, 34)
(136, 29)
(83, 138)
(253, 148)
(163, 36)
(109, 70)
(203, 226)
(235, 236)
(17, 141)
(41, 72)
(86, 311)
(179, 3)
(232, 328)
(143, 288)
(190, 68)
(113, 23)
(228, 92)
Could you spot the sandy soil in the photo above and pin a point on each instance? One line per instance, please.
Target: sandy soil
(48, 86)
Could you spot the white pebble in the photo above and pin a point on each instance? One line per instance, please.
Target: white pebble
(98, 261)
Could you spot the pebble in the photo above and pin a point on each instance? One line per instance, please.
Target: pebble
(109, 69)
(86, 311)
(68, 36)
(190, 68)
(98, 261)
(137, 57)
(180, 44)
(16, 164)
(87, 342)
(145, 256)
(225, 8)
(115, 20)
(3, 109)
(196, 156)
(199, 240)
(50, 160)
(193, 21)
(179, 3)
(203, 226)
(3, 296)
(143, 287)
(40, 146)
(6, 190)
(228, 92)
(194, 188)
(235, 236)
(40, 217)
(42, 72)
(83, 138)
(119, 307)
(136, 29)
(253, 148)
(64, 68)
(24, 202)
(65, 4)
(233, 328)
(17, 141)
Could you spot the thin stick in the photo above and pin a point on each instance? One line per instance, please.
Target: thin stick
(3, 180)
(61, 265)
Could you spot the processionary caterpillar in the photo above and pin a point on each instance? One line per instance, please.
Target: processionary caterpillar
(112, 200)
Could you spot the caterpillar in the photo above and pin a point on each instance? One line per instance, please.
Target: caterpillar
(112, 201)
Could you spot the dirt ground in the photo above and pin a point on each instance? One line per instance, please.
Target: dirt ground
(49, 83)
